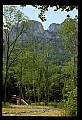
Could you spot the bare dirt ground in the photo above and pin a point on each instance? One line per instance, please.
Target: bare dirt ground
(23, 110)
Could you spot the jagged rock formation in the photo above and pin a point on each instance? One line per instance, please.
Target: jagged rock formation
(35, 30)
(54, 27)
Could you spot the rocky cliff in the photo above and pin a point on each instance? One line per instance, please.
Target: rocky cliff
(36, 31)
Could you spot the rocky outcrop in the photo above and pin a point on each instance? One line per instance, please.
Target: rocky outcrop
(36, 30)
(54, 27)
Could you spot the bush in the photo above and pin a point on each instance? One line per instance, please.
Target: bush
(52, 103)
(60, 105)
(7, 105)
(42, 103)
(71, 103)
(32, 104)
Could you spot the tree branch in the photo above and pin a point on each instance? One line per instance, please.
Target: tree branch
(13, 60)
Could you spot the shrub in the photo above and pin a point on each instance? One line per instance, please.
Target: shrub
(7, 105)
(71, 103)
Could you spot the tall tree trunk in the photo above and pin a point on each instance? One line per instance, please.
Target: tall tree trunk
(5, 90)
(38, 91)
(39, 80)
(34, 90)
(46, 95)
(73, 73)
(20, 94)
(46, 85)
(7, 58)
(29, 93)
(48, 91)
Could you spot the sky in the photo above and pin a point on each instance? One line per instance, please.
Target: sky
(51, 15)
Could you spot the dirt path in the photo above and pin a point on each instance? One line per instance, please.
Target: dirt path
(23, 110)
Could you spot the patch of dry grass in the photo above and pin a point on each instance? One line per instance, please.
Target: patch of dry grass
(23, 110)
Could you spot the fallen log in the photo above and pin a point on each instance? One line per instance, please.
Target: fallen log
(22, 101)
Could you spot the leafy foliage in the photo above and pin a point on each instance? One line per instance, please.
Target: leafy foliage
(35, 70)
(12, 18)
(69, 31)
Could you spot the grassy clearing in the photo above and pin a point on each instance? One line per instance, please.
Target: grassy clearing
(23, 110)
(54, 104)
(34, 104)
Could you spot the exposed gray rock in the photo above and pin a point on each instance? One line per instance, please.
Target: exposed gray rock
(54, 27)
(35, 30)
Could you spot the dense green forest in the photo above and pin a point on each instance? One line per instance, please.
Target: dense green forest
(32, 70)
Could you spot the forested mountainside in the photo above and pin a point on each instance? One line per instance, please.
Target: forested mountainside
(35, 32)
(41, 46)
